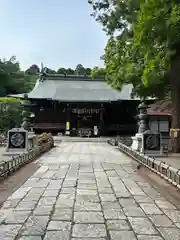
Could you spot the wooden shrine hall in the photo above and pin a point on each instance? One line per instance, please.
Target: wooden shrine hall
(81, 106)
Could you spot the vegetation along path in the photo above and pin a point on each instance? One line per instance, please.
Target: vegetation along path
(88, 191)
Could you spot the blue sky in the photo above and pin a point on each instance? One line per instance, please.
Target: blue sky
(59, 33)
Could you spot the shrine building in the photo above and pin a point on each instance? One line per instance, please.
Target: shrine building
(81, 105)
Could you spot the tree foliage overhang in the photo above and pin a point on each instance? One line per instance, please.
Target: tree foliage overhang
(144, 36)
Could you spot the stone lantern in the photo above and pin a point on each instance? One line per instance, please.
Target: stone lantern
(26, 113)
(143, 118)
(143, 127)
(146, 141)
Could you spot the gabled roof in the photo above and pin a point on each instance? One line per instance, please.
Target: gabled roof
(160, 108)
(74, 88)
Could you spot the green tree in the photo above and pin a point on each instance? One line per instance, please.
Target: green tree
(10, 113)
(88, 71)
(98, 73)
(33, 70)
(80, 70)
(12, 79)
(117, 18)
(70, 71)
(121, 65)
(61, 71)
(160, 49)
(143, 48)
(50, 71)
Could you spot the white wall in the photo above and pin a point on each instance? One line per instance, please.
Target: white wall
(164, 126)
(159, 124)
(154, 126)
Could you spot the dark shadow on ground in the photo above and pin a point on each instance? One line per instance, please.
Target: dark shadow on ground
(14, 181)
(166, 189)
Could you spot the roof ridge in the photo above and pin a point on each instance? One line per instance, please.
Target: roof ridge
(64, 77)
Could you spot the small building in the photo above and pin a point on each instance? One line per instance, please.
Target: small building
(82, 104)
(160, 116)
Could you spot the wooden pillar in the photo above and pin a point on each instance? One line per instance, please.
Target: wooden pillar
(101, 120)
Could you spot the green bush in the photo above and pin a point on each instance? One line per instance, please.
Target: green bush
(10, 113)
(6, 100)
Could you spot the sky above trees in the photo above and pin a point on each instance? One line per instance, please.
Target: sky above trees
(58, 33)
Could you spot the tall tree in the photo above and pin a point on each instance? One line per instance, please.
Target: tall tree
(70, 71)
(117, 18)
(50, 71)
(80, 70)
(144, 47)
(98, 73)
(33, 70)
(157, 40)
(88, 71)
(12, 79)
(61, 71)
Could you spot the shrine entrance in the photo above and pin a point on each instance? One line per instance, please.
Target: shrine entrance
(86, 121)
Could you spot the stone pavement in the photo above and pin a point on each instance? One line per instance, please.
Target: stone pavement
(87, 191)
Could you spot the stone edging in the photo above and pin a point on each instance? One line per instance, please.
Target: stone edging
(166, 171)
(7, 167)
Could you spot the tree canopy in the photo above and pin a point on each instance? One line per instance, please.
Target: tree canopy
(137, 41)
(143, 47)
(79, 70)
(13, 80)
(33, 70)
(10, 113)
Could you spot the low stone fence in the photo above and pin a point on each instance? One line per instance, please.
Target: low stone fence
(161, 168)
(127, 140)
(123, 139)
(7, 167)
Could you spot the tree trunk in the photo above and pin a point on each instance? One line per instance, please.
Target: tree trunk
(175, 94)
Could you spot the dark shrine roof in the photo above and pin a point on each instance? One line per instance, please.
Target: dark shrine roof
(75, 88)
(160, 108)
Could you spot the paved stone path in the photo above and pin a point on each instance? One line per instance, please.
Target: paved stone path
(87, 191)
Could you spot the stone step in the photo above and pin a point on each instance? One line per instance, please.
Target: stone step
(79, 139)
